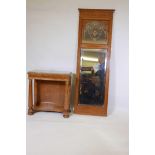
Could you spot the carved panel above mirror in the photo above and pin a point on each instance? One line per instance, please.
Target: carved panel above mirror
(95, 32)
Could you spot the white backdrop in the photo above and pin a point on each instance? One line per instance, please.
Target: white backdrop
(52, 36)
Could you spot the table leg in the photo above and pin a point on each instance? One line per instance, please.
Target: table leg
(67, 100)
(30, 101)
(35, 93)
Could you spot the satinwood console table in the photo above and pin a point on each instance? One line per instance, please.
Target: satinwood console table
(49, 91)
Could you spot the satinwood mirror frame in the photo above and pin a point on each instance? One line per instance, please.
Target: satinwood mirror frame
(104, 16)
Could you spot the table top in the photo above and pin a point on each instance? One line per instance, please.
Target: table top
(49, 75)
(48, 72)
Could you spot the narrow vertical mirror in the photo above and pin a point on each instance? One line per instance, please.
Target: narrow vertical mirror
(92, 76)
(93, 61)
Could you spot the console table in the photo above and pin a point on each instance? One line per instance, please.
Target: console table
(49, 91)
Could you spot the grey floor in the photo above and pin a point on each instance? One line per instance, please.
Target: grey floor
(50, 134)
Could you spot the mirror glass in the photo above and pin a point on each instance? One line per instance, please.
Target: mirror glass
(92, 76)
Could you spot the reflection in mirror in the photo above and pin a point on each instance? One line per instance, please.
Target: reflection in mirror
(92, 76)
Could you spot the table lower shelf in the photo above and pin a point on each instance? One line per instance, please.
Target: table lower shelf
(48, 107)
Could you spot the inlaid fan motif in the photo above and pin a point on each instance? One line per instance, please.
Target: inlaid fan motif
(95, 32)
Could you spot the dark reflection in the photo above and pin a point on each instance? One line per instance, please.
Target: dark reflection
(92, 76)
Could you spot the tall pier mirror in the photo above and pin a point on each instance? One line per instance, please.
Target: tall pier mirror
(93, 59)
